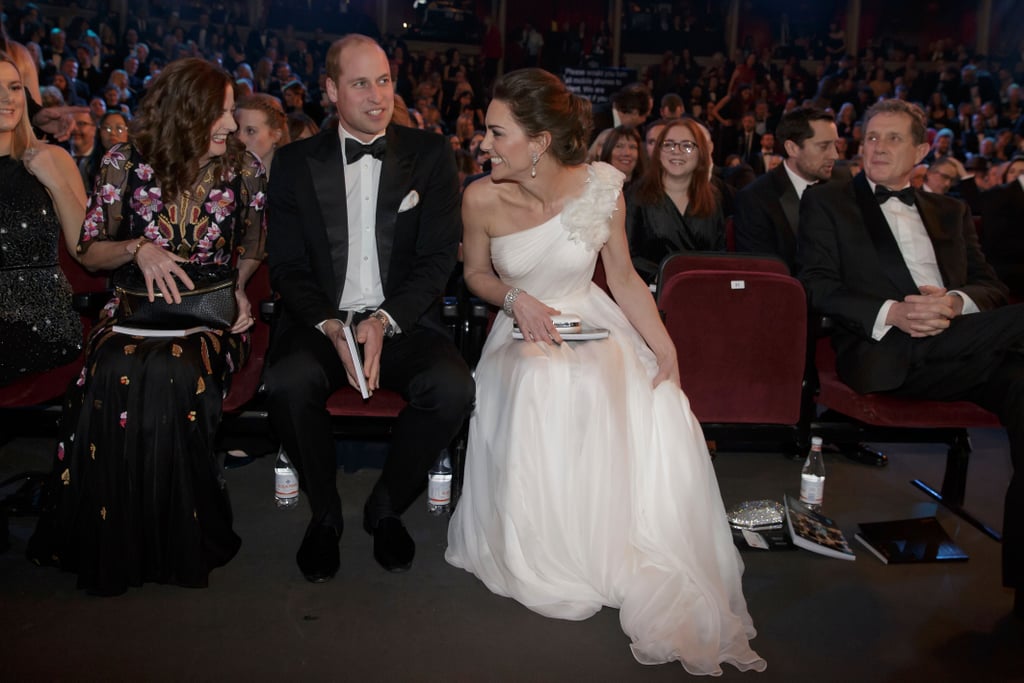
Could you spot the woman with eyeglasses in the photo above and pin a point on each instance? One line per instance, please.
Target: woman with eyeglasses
(111, 130)
(674, 206)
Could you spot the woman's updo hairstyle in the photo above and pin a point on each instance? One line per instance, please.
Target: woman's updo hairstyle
(540, 102)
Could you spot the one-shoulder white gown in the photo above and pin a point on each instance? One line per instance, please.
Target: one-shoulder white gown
(584, 485)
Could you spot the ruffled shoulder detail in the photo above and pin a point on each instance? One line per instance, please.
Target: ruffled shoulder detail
(587, 218)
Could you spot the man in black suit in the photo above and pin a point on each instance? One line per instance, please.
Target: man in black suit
(630, 106)
(1001, 211)
(364, 233)
(919, 312)
(768, 210)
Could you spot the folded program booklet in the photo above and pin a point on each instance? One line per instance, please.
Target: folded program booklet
(357, 360)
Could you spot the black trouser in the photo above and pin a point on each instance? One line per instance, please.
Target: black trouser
(980, 358)
(423, 366)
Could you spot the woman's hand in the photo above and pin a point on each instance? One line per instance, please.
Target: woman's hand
(245, 318)
(534, 319)
(159, 267)
(668, 369)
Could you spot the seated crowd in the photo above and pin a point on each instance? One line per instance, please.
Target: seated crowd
(747, 154)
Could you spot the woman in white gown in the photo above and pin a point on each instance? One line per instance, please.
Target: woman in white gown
(588, 481)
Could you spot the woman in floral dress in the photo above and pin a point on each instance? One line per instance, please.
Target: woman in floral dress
(138, 494)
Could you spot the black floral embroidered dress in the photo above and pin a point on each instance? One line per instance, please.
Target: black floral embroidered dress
(141, 497)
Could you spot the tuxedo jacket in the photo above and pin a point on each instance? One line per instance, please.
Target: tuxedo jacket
(1002, 238)
(307, 237)
(850, 264)
(767, 216)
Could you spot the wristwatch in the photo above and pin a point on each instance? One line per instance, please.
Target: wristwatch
(385, 322)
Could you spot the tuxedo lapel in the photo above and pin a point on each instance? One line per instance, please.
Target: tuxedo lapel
(327, 170)
(889, 254)
(939, 231)
(788, 200)
(395, 181)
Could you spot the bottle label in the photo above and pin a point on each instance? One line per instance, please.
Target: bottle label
(812, 489)
(439, 489)
(286, 484)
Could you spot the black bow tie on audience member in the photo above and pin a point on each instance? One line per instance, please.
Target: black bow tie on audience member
(906, 195)
(355, 150)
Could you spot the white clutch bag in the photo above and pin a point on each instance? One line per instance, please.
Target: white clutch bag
(570, 327)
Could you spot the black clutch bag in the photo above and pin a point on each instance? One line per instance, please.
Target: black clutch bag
(212, 303)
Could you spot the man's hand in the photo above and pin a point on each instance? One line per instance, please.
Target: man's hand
(370, 334)
(926, 314)
(335, 331)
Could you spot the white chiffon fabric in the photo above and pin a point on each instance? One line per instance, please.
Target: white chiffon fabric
(585, 486)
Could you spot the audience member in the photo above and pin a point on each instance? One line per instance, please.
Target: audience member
(402, 187)
(568, 547)
(262, 126)
(630, 106)
(137, 441)
(1002, 238)
(674, 206)
(624, 150)
(916, 316)
(42, 198)
(768, 210)
(112, 129)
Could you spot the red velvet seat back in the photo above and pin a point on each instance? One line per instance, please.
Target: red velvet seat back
(712, 260)
(741, 338)
(246, 382)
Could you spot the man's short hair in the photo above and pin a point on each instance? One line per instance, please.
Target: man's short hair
(940, 163)
(795, 125)
(918, 121)
(635, 97)
(671, 101)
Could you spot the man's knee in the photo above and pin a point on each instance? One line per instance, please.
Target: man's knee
(293, 376)
(447, 386)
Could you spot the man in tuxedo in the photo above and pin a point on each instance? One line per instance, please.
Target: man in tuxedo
(1001, 209)
(630, 107)
(364, 233)
(768, 210)
(918, 311)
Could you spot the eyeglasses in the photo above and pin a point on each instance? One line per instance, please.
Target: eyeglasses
(120, 130)
(686, 146)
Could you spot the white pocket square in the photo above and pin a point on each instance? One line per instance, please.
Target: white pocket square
(410, 200)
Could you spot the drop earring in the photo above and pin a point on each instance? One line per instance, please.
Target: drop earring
(533, 169)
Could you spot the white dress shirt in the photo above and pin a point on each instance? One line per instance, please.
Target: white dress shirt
(799, 184)
(918, 253)
(363, 289)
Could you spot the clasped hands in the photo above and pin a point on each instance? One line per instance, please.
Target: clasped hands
(161, 271)
(370, 334)
(926, 314)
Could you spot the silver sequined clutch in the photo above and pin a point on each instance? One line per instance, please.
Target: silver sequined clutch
(756, 515)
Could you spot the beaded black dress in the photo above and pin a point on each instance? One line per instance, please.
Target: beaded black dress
(38, 328)
(139, 492)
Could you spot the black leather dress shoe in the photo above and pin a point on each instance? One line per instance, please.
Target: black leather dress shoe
(318, 556)
(393, 547)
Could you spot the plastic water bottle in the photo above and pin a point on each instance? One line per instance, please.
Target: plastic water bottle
(439, 485)
(812, 477)
(286, 482)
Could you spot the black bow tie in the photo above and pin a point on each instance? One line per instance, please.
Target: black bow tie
(354, 150)
(906, 195)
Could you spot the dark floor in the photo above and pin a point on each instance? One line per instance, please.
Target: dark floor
(818, 618)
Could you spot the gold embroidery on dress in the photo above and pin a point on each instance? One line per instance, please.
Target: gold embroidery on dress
(103, 513)
(65, 477)
(176, 350)
(200, 386)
